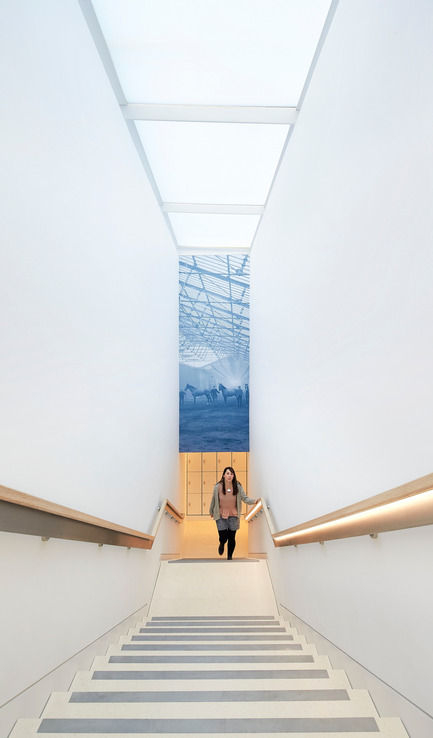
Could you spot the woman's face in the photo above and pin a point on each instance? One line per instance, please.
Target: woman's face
(228, 476)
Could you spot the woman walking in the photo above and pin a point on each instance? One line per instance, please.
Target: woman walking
(225, 508)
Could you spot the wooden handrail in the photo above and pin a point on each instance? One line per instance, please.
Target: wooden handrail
(23, 513)
(377, 514)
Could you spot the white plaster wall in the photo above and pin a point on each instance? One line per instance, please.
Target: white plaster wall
(88, 281)
(59, 600)
(88, 335)
(341, 298)
(341, 334)
(370, 601)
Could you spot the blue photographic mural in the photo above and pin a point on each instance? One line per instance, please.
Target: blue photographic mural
(214, 350)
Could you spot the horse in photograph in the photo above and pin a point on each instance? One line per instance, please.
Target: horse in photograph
(236, 393)
(199, 393)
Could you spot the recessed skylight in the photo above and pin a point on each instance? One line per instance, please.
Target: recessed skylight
(214, 231)
(213, 162)
(209, 90)
(217, 52)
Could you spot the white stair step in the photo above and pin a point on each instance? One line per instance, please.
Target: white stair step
(359, 705)
(217, 696)
(391, 728)
(102, 663)
(134, 650)
(387, 728)
(193, 631)
(149, 624)
(226, 625)
(209, 622)
(337, 679)
(231, 638)
(211, 618)
(212, 622)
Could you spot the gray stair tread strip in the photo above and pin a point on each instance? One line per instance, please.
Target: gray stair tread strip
(214, 674)
(213, 659)
(210, 623)
(211, 647)
(212, 561)
(214, 725)
(212, 617)
(214, 624)
(253, 695)
(193, 637)
(227, 630)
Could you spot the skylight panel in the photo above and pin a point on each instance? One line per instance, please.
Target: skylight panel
(226, 163)
(214, 231)
(218, 52)
(212, 89)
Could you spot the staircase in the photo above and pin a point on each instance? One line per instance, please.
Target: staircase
(223, 663)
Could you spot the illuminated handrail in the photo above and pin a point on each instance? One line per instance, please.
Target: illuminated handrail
(407, 506)
(23, 513)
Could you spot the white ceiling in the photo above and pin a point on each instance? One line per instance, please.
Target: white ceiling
(210, 91)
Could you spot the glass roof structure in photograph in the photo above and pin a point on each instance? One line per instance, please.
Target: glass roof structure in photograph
(210, 91)
(214, 309)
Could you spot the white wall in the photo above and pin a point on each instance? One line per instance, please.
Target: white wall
(88, 331)
(341, 327)
(371, 602)
(88, 280)
(379, 607)
(63, 603)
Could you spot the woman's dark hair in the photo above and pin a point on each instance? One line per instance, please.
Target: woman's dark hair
(234, 483)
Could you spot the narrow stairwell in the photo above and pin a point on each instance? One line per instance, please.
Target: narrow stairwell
(212, 657)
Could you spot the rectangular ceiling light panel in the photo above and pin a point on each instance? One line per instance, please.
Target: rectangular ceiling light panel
(221, 163)
(218, 52)
(214, 231)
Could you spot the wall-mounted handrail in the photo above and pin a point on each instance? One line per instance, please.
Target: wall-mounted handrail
(407, 506)
(23, 513)
(166, 508)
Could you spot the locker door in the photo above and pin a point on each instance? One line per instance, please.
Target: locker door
(209, 481)
(194, 483)
(240, 461)
(194, 504)
(194, 462)
(224, 459)
(209, 462)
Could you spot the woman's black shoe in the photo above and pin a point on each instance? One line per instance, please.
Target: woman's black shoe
(221, 549)
(229, 558)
